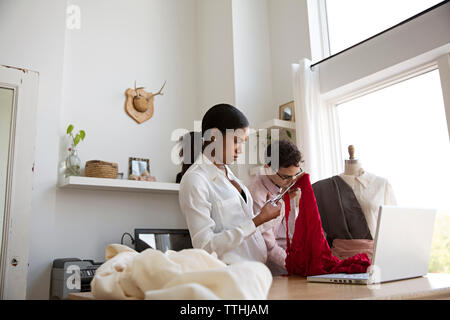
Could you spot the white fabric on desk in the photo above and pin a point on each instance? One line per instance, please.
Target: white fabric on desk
(184, 275)
(371, 192)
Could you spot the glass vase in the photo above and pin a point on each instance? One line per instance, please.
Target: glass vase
(73, 163)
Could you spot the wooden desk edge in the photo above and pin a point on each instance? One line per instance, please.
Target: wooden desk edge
(433, 294)
(81, 296)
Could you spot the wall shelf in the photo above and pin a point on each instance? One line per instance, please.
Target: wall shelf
(277, 124)
(88, 183)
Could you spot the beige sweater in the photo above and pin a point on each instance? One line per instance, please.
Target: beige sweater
(187, 274)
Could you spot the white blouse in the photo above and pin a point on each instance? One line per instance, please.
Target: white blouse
(371, 192)
(218, 218)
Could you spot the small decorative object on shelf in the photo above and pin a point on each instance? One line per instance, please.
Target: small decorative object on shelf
(73, 162)
(139, 169)
(287, 111)
(140, 104)
(143, 177)
(101, 169)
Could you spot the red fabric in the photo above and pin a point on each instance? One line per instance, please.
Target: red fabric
(309, 253)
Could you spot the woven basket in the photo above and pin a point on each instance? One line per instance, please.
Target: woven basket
(101, 169)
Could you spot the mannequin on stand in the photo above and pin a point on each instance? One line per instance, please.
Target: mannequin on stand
(370, 190)
(352, 165)
(344, 248)
(341, 214)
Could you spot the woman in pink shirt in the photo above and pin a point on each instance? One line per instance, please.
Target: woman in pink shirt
(271, 183)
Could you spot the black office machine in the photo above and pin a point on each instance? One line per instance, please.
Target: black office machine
(71, 275)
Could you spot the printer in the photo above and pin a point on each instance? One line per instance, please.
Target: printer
(70, 275)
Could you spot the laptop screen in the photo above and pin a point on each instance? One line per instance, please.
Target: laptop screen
(162, 239)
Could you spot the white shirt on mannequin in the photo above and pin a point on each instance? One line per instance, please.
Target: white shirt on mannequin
(371, 192)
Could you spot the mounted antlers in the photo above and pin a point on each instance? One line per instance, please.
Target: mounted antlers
(139, 104)
(159, 92)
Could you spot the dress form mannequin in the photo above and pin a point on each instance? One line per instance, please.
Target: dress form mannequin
(352, 166)
(370, 190)
(344, 248)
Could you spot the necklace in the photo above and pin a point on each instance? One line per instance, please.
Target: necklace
(220, 166)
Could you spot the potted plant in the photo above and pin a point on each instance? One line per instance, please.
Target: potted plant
(73, 162)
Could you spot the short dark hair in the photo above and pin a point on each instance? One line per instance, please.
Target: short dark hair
(289, 153)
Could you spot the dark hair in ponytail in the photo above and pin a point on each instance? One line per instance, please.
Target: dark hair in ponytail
(221, 116)
(188, 142)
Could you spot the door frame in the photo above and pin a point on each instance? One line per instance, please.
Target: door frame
(16, 223)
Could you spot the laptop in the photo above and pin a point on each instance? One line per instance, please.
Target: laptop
(401, 248)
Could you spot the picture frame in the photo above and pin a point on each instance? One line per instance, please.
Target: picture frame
(287, 112)
(137, 166)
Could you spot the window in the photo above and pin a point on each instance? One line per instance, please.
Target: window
(400, 133)
(352, 21)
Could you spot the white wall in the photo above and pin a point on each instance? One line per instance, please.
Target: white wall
(269, 35)
(289, 42)
(118, 43)
(209, 51)
(215, 54)
(252, 59)
(32, 36)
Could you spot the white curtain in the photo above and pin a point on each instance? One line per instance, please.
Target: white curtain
(316, 123)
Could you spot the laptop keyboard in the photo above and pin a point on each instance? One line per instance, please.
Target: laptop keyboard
(357, 276)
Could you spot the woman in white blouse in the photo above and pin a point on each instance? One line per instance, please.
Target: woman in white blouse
(217, 206)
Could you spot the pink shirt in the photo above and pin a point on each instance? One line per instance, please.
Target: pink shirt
(274, 231)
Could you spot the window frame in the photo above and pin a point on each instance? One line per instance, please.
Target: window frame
(322, 14)
(442, 65)
(380, 68)
(404, 63)
(385, 83)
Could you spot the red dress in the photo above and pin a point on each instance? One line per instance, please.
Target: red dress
(309, 253)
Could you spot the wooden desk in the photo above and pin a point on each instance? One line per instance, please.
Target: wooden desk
(432, 286)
